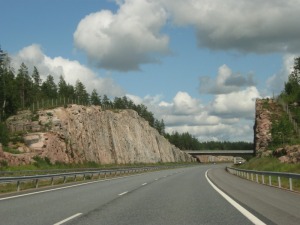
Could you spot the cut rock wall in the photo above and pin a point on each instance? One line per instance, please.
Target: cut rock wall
(79, 134)
(262, 127)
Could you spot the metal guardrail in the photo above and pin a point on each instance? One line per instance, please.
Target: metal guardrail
(260, 175)
(4, 173)
(84, 174)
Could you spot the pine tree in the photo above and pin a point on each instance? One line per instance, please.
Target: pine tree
(49, 88)
(37, 81)
(95, 99)
(81, 94)
(24, 84)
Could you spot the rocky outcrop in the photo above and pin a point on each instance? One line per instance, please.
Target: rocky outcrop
(288, 154)
(78, 134)
(266, 111)
(263, 126)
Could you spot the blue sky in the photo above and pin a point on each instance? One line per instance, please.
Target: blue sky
(197, 64)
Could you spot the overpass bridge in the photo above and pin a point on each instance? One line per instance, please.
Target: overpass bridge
(220, 152)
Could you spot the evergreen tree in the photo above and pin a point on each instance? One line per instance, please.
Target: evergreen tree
(24, 84)
(106, 101)
(81, 94)
(37, 81)
(62, 87)
(95, 98)
(49, 88)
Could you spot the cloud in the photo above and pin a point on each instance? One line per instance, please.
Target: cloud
(275, 83)
(247, 26)
(226, 82)
(71, 70)
(228, 117)
(133, 35)
(126, 39)
(239, 104)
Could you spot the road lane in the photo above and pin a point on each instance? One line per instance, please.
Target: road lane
(183, 198)
(177, 196)
(276, 206)
(52, 207)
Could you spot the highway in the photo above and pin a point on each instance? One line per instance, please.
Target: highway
(177, 196)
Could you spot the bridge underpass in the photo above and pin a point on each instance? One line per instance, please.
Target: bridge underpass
(219, 155)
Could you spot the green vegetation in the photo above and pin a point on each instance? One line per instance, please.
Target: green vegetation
(186, 141)
(284, 132)
(22, 90)
(270, 164)
(273, 164)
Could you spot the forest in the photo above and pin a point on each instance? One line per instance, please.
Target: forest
(22, 90)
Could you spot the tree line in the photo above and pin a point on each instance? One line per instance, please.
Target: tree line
(186, 141)
(20, 90)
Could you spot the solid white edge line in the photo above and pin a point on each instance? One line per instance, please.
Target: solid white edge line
(67, 219)
(123, 193)
(61, 188)
(240, 208)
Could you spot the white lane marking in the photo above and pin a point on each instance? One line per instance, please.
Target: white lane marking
(240, 208)
(69, 218)
(157, 179)
(123, 193)
(61, 188)
(144, 184)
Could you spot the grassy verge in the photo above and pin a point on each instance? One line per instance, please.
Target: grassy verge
(273, 164)
(270, 164)
(45, 164)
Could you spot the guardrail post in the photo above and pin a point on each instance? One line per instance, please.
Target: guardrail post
(279, 182)
(252, 177)
(291, 183)
(256, 176)
(18, 185)
(36, 183)
(270, 180)
(75, 177)
(84, 176)
(65, 179)
(263, 179)
(247, 176)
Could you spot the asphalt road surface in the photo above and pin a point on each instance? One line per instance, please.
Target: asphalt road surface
(177, 196)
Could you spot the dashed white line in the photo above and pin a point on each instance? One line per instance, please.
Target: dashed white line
(144, 184)
(68, 219)
(123, 193)
(240, 208)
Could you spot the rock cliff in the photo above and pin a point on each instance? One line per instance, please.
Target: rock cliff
(79, 134)
(266, 111)
(263, 126)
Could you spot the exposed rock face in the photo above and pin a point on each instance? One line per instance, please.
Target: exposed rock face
(262, 127)
(265, 108)
(288, 154)
(77, 134)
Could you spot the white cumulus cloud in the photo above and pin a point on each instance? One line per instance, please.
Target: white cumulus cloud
(247, 26)
(275, 83)
(239, 104)
(72, 70)
(126, 39)
(225, 82)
